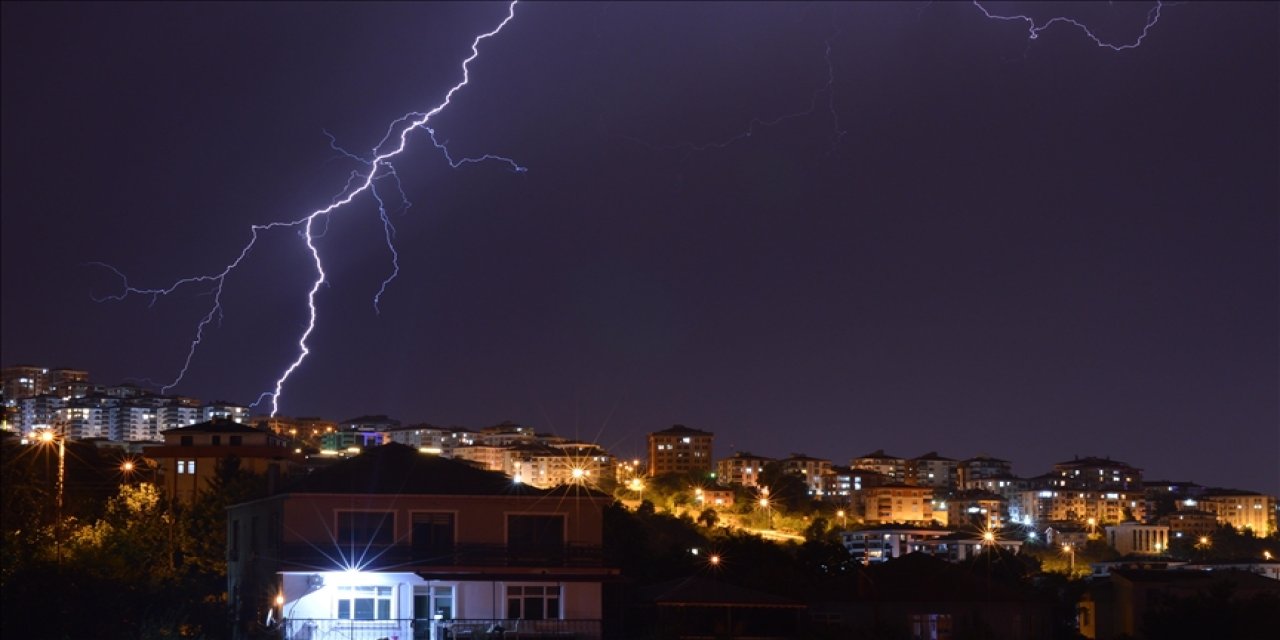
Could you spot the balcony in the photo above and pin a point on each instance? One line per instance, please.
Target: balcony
(468, 629)
(373, 557)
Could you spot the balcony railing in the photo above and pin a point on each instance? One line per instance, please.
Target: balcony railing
(372, 557)
(465, 629)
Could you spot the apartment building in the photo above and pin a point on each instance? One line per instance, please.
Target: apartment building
(190, 456)
(680, 449)
(897, 504)
(743, 468)
(1242, 509)
(892, 467)
(810, 469)
(1098, 474)
(932, 470)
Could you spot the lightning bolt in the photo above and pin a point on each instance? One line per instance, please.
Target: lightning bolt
(1034, 29)
(379, 167)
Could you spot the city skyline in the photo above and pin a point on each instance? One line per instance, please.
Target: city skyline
(940, 232)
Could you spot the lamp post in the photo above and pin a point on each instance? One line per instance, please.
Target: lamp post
(49, 437)
(1071, 550)
(843, 522)
(764, 504)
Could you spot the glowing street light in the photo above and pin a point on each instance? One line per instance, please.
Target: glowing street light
(1070, 549)
(637, 485)
(843, 522)
(764, 504)
(48, 437)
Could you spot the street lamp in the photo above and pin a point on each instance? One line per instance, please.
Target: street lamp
(1093, 524)
(49, 437)
(843, 523)
(764, 504)
(637, 485)
(1070, 549)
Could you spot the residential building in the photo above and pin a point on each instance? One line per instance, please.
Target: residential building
(394, 543)
(892, 467)
(1189, 523)
(886, 543)
(490, 457)
(1242, 509)
(981, 466)
(505, 434)
(742, 469)
(680, 450)
(932, 470)
(897, 504)
(189, 458)
(837, 484)
(976, 511)
(432, 439)
(808, 468)
(1098, 474)
(1100, 507)
(23, 381)
(222, 410)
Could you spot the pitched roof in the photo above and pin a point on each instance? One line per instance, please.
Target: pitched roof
(679, 429)
(396, 468)
(933, 455)
(880, 454)
(217, 425)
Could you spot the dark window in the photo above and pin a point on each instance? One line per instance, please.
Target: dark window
(535, 531)
(187, 441)
(217, 439)
(432, 536)
(366, 527)
(533, 603)
(236, 440)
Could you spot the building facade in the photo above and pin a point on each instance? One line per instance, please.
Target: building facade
(680, 450)
(399, 544)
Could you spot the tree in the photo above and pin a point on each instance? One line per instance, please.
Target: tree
(708, 517)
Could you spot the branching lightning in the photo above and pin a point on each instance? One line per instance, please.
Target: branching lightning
(379, 168)
(1034, 29)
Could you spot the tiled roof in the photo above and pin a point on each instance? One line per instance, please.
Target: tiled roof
(680, 429)
(218, 425)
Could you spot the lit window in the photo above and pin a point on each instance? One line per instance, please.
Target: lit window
(364, 603)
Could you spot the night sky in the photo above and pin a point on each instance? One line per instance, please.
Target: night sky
(972, 243)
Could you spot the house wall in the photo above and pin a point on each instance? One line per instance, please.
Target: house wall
(473, 599)
(477, 519)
